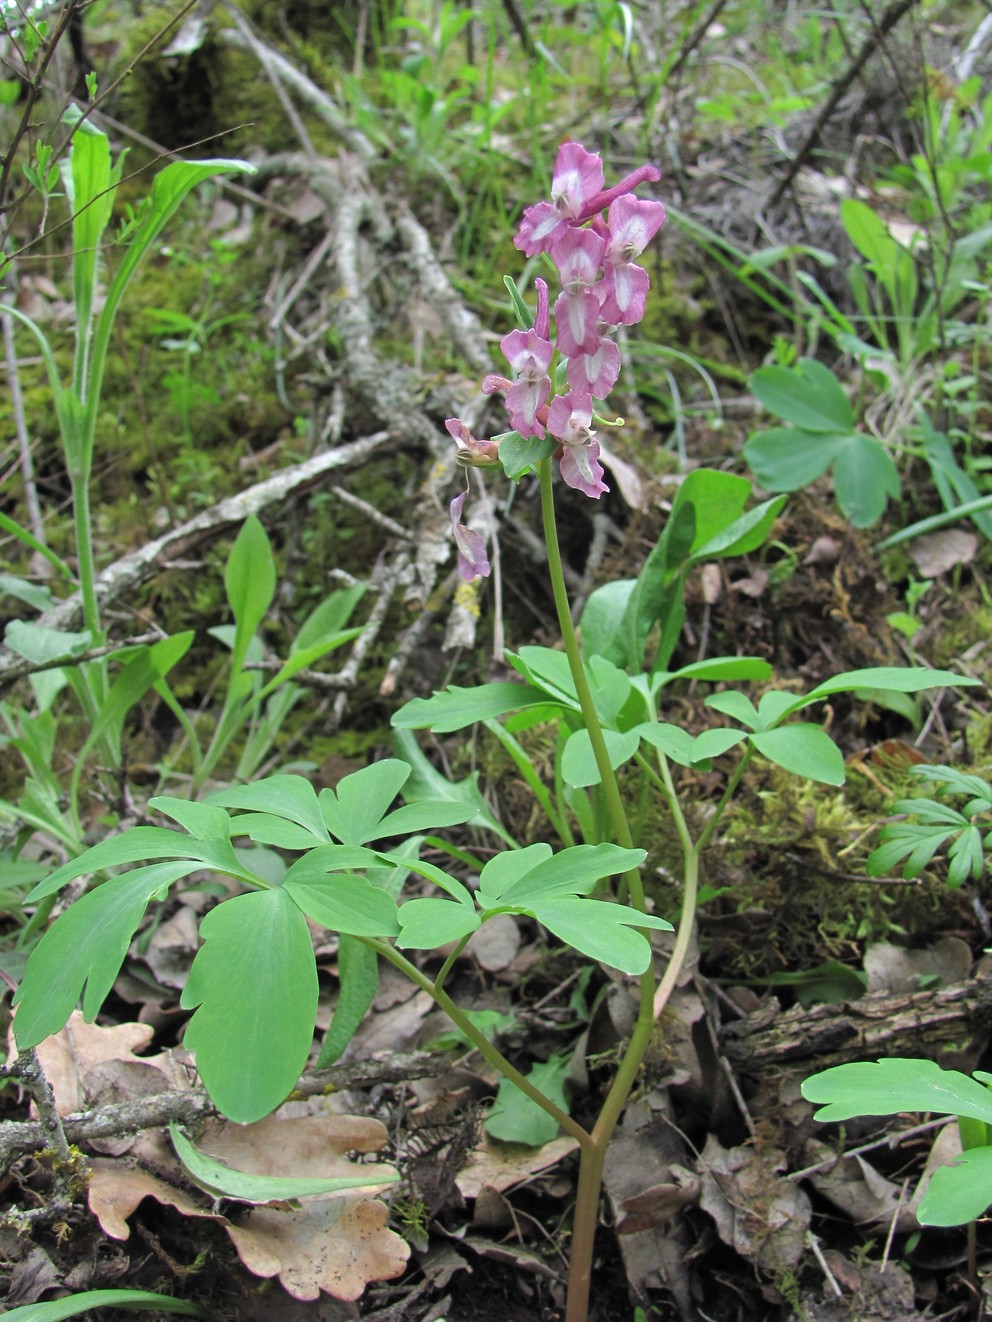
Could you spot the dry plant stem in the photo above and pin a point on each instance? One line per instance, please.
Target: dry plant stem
(28, 1072)
(150, 1112)
(35, 521)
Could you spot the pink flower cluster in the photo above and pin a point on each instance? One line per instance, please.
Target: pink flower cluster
(602, 287)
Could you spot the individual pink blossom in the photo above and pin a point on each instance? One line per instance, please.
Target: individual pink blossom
(472, 452)
(595, 373)
(577, 194)
(632, 225)
(570, 420)
(578, 254)
(577, 178)
(529, 353)
(473, 562)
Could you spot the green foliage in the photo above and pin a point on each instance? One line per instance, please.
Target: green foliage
(222, 1181)
(932, 824)
(822, 436)
(958, 1192)
(54, 1310)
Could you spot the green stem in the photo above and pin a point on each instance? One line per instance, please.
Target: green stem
(448, 964)
(479, 1040)
(611, 790)
(84, 555)
(593, 1153)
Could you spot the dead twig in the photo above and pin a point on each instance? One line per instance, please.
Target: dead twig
(841, 84)
(20, 1136)
(131, 570)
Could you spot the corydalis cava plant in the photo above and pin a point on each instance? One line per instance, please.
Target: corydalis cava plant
(602, 288)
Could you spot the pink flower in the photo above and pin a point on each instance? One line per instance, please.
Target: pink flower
(529, 353)
(472, 559)
(578, 254)
(472, 452)
(577, 194)
(632, 225)
(595, 373)
(570, 420)
(578, 177)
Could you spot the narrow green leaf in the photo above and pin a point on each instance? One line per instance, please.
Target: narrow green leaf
(328, 619)
(139, 844)
(222, 1181)
(140, 674)
(84, 949)
(455, 708)
(74, 1305)
(358, 982)
(250, 584)
(305, 657)
(898, 679)
(722, 668)
(254, 985)
(887, 1087)
(525, 318)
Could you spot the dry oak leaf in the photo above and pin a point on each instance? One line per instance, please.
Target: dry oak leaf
(115, 1190)
(337, 1244)
(499, 1167)
(75, 1060)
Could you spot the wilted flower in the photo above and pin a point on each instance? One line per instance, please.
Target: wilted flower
(472, 452)
(473, 562)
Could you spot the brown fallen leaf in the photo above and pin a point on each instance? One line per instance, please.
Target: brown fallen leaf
(333, 1244)
(655, 1206)
(940, 552)
(493, 1166)
(762, 1216)
(337, 1245)
(115, 1190)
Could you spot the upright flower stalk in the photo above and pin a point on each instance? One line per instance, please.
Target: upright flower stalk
(554, 392)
